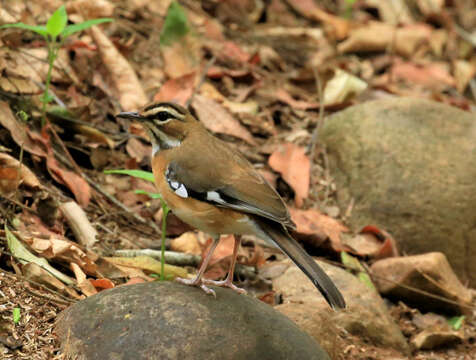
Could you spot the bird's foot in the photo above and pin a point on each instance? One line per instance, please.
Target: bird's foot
(225, 283)
(198, 283)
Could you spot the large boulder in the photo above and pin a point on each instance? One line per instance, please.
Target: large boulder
(366, 315)
(173, 321)
(410, 167)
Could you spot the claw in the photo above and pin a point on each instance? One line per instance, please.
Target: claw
(225, 283)
(198, 283)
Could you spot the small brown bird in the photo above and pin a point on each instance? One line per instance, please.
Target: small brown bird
(212, 187)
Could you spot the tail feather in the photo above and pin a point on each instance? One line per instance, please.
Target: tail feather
(299, 256)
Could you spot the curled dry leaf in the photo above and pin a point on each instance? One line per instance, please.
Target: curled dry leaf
(294, 166)
(128, 86)
(86, 287)
(63, 250)
(342, 86)
(377, 36)
(181, 57)
(12, 174)
(310, 10)
(313, 226)
(218, 120)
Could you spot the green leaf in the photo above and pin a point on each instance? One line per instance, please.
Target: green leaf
(149, 194)
(456, 322)
(144, 175)
(39, 29)
(175, 25)
(57, 22)
(21, 253)
(71, 29)
(16, 315)
(354, 264)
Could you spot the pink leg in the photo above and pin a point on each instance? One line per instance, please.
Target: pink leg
(228, 282)
(198, 281)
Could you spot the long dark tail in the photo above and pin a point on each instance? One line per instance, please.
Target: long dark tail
(299, 256)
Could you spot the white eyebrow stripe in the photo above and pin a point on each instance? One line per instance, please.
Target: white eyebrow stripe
(174, 113)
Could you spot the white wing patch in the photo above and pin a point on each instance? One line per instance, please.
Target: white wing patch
(177, 187)
(214, 196)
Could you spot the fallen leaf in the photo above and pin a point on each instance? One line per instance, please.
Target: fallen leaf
(20, 252)
(149, 264)
(294, 166)
(315, 227)
(12, 174)
(37, 273)
(177, 90)
(432, 75)
(102, 283)
(464, 71)
(128, 86)
(218, 120)
(182, 57)
(86, 287)
(342, 86)
(186, 243)
(376, 36)
(78, 186)
(283, 96)
(310, 10)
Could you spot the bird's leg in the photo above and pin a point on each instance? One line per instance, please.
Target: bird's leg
(228, 282)
(198, 281)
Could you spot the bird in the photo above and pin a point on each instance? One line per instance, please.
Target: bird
(214, 188)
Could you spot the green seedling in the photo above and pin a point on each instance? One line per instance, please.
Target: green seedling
(16, 315)
(148, 176)
(55, 32)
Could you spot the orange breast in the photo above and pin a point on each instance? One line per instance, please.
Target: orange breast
(201, 215)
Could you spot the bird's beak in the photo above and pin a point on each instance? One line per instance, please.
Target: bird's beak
(129, 115)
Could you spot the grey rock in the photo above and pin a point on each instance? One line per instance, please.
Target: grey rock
(410, 166)
(174, 321)
(431, 273)
(365, 317)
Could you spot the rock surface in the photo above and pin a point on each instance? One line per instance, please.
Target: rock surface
(173, 321)
(394, 277)
(366, 315)
(409, 165)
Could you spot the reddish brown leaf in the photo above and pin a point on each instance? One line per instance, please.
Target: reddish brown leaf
(312, 223)
(178, 90)
(285, 97)
(293, 164)
(102, 283)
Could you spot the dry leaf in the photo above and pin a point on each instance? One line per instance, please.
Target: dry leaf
(464, 71)
(181, 57)
(149, 264)
(310, 10)
(186, 243)
(86, 287)
(316, 227)
(138, 150)
(432, 75)
(12, 174)
(218, 120)
(294, 166)
(342, 86)
(128, 86)
(177, 90)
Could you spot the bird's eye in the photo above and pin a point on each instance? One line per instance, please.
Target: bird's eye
(163, 115)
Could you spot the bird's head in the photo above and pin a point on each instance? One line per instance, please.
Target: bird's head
(166, 123)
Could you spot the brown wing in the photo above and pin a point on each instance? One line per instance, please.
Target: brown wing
(221, 175)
